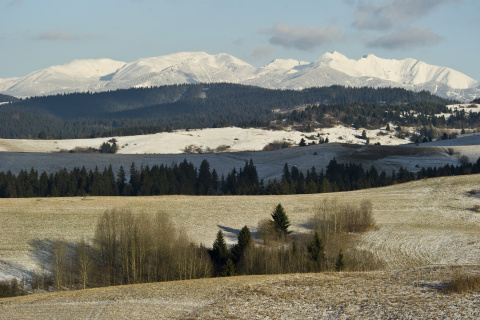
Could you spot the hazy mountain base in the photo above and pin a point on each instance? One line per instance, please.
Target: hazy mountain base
(400, 294)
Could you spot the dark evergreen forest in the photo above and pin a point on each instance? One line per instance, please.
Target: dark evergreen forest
(7, 98)
(185, 179)
(150, 110)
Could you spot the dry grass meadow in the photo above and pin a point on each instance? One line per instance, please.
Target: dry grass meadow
(423, 223)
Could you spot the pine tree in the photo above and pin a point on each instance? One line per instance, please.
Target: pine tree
(364, 135)
(204, 181)
(228, 269)
(220, 253)
(339, 264)
(280, 222)
(244, 240)
(316, 250)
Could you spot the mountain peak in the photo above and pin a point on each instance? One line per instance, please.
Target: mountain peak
(332, 68)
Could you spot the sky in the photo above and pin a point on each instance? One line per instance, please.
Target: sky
(37, 34)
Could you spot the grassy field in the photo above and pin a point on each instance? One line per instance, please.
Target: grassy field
(423, 223)
(419, 223)
(402, 294)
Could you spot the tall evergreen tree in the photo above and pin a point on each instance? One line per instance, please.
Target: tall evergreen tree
(316, 251)
(244, 240)
(220, 252)
(339, 263)
(280, 222)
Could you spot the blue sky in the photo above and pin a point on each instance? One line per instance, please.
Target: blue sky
(36, 34)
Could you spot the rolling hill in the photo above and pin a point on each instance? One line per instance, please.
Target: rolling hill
(427, 232)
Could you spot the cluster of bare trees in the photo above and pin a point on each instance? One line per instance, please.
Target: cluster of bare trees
(127, 249)
(333, 217)
(136, 248)
(330, 246)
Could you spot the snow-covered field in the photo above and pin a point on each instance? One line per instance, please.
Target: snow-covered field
(243, 145)
(230, 139)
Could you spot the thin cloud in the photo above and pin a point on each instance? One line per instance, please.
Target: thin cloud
(64, 35)
(406, 38)
(15, 3)
(305, 39)
(239, 41)
(385, 15)
(261, 52)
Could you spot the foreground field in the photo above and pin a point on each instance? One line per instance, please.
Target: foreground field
(427, 233)
(419, 223)
(402, 294)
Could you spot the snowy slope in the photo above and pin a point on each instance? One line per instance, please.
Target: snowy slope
(194, 67)
(184, 67)
(78, 75)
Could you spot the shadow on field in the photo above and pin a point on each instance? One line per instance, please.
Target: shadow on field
(229, 233)
(44, 250)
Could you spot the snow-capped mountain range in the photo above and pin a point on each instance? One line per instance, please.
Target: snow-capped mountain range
(195, 67)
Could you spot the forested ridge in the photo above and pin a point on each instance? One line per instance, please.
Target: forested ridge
(7, 98)
(150, 110)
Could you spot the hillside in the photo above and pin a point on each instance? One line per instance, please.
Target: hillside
(158, 109)
(419, 223)
(6, 98)
(400, 294)
(428, 222)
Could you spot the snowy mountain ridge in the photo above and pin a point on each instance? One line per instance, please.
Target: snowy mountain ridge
(195, 67)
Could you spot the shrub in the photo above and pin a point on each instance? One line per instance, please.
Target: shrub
(10, 288)
(333, 218)
(463, 283)
(277, 145)
(222, 148)
(464, 160)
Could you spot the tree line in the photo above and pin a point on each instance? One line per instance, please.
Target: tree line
(185, 179)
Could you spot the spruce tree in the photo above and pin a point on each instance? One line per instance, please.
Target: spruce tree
(228, 269)
(244, 240)
(316, 250)
(280, 222)
(339, 264)
(220, 253)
